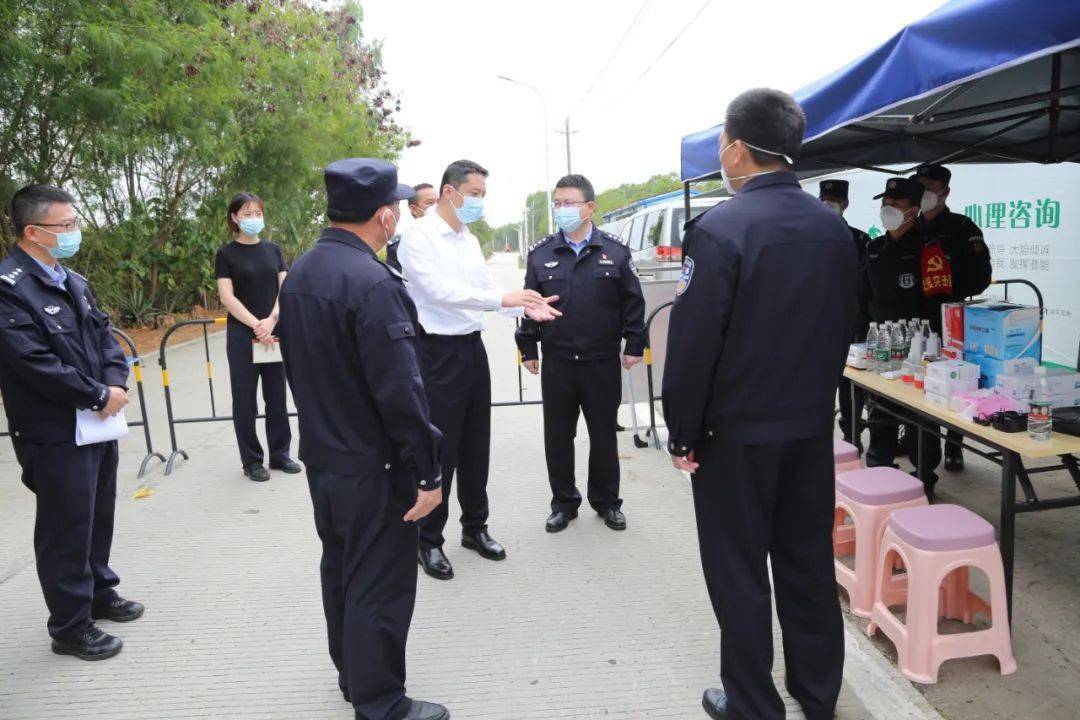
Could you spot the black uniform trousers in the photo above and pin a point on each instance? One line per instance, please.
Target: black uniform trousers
(595, 388)
(884, 434)
(73, 529)
(458, 385)
(244, 376)
(844, 399)
(772, 501)
(368, 573)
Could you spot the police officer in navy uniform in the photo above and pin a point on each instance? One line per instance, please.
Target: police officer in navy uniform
(756, 344)
(58, 355)
(940, 224)
(348, 336)
(602, 304)
(834, 193)
(910, 274)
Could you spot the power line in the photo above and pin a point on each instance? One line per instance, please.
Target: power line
(673, 41)
(622, 41)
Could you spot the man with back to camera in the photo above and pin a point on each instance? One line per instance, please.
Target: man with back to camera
(452, 287)
(58, 355)
(592, 273)
(757, 340)
(957, 233)
(348, 337)
(834, 193)
(424, 198)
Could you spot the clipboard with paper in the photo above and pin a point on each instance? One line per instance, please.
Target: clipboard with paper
(265, 353)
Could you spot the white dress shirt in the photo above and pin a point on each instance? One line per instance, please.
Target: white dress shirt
(447, 277)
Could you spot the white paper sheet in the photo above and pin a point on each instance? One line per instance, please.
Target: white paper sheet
(90, 428)
(262, 354)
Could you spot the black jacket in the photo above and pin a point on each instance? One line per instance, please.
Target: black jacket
(57, 351)
(599, 296)
(348, 338)
(890, 283)
(762, 318)
(862, 323)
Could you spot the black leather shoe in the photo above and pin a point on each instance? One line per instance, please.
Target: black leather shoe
(436, 564)
(118, 610)
(93, 643)
(615, 519)
(287, 465)
(715, 703)
(257, 473)
(421, 710)
(559, 520)
(954, 460)
(482, 543)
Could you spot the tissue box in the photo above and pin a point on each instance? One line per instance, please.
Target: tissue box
(1001, 330)
(947, 388)
(952, 324)
(952, 370)
(990, 368)
(1017, 386)
(941, 401)
(1062, 381)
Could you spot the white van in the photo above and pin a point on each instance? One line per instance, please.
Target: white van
(655, 234)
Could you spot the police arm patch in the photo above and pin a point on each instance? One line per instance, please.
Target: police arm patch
(685, 277)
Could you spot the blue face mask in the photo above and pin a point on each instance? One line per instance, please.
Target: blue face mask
(471, 210)
(67, 244)
(568, 219)
(252, 226)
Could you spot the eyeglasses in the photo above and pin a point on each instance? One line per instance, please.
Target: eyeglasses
(568, 203)
(68, 226)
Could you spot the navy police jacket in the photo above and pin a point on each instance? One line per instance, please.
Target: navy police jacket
(762, 319)
(599, 296)
(348, 337)
(57, 351)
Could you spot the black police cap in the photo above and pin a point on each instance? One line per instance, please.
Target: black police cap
(357, 187)
(933, 171)
(900, 188)
(833, 189)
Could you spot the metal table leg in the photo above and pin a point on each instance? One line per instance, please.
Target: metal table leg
(854, 416)
(1007, 541)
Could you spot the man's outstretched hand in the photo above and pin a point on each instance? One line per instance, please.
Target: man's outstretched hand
(542, 312)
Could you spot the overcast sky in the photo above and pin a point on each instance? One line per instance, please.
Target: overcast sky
(443, 59)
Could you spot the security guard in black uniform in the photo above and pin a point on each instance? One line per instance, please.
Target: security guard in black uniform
(600, 297)
(834, 193)
(58, 355)
(940, 224)
(757, 340)
(909, 274)
(348, 337)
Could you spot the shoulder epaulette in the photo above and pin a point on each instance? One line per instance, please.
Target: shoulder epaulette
(613, 238)
(11, 273)
(541, 241)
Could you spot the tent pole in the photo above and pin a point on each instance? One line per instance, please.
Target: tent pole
(686, 201)
(1055, 105)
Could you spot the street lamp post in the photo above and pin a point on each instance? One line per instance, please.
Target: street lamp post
(547, 156)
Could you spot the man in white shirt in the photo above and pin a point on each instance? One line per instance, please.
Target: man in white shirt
(452, 287)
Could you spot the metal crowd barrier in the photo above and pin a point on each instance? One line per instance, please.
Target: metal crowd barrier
(653, 397)
(144, 421)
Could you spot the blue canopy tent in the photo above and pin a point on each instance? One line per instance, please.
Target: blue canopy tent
(974, 81)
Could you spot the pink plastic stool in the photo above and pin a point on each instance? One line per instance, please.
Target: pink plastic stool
(845, 456)
(868, 497)
(938, 544)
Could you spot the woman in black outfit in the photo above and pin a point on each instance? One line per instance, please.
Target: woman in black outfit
(249, 275)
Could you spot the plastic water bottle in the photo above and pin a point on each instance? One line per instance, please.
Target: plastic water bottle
(884, 350)
(897, 347)
(871, 348)
(1040, 422)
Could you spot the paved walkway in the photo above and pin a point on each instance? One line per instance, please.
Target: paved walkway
(585, 624)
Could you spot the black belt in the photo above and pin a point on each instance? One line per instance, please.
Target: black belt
(469, 338)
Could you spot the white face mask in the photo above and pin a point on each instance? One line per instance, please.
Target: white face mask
(892, 218)
(728, 179)
(930, 201)
(835, 207)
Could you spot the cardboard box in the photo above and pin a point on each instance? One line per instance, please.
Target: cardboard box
(990, 368)
(940, 400)
(1001, 330)
(952, 370)
(1062, 381)
(1017, 386)
(948, 388)
(952, 324)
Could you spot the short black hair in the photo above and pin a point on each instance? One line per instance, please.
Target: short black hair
(423, 186)
(31, 204)
(458, 172)
(581, 183)
(770, 119)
